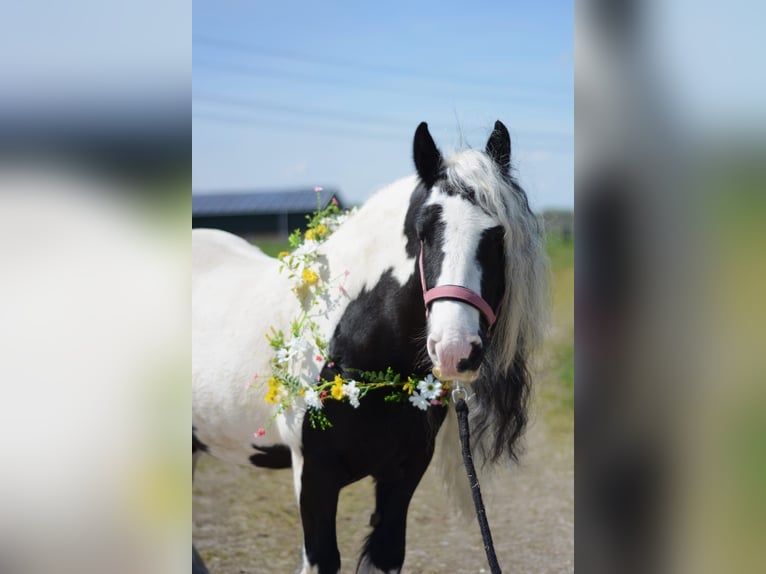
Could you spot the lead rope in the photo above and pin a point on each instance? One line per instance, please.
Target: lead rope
(459, 397)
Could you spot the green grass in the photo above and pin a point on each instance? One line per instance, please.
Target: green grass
(561, 253)
(561, 345)
(272, 247)
(564, 360)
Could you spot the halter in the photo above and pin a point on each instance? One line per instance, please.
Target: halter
(457, 292)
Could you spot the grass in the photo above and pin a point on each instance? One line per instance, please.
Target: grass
(272, 247)
(560, 346)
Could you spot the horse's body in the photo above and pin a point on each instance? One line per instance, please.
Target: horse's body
(375, 320)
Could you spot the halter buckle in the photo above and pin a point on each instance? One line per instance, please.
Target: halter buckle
(459, 392)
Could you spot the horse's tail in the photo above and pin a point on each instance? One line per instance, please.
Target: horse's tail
(448, 460)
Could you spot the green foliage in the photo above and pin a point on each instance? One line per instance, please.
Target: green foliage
(276, 339)
(560, 252)
(565, 370)
(295, 239)
(272, 247)
(561, 347)
(318, 419)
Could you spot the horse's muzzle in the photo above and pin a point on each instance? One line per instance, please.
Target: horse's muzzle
(464, 377)
(456, 358)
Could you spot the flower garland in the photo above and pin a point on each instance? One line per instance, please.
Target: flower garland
(304, 339)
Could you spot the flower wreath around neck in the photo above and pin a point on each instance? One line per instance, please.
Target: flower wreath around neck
(304, 339)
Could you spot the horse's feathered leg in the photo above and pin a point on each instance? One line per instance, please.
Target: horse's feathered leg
(385, 546)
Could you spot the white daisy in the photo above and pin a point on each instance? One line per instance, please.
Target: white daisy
(350, 390)
(419, 401)
(283, 355)
(293, 348)
(312, 399)
(307, 248)
(430, 387)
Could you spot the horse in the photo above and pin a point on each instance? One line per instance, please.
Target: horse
(441, 273)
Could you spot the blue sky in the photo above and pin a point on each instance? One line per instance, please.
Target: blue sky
(290, 94)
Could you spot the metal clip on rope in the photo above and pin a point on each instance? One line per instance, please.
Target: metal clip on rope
(460, 399)
(459, 393)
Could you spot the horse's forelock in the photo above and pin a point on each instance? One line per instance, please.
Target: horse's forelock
(502, 389)
(522, 315)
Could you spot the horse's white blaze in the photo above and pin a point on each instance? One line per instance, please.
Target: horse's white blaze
(453, 326)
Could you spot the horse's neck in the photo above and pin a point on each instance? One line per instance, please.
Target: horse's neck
(373, 240)
(383, 309)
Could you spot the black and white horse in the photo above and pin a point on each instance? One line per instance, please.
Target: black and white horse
(462, 221)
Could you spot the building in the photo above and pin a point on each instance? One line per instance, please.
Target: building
(259, 213)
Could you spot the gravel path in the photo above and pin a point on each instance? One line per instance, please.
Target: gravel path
(246, 520)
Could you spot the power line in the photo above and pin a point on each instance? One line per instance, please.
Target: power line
(239, 120)
(261, 104)
(307, 83)
(426, 77)
(307, 59)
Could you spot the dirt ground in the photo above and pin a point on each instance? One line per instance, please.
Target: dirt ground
(246, 520)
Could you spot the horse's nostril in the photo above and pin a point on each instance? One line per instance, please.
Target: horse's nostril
(473, 361)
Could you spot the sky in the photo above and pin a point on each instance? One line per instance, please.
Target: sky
(303, 94)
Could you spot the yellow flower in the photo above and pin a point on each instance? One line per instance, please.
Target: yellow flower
(316, 233)
(337, 388)
(309, 277)
(409, 386)
(283, 254)
(274, 390)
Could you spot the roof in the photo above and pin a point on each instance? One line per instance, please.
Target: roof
(253, 202)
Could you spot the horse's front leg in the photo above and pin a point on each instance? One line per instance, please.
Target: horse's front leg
(384, 548)
(320, 487)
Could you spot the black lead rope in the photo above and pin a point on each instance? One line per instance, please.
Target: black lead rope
(461, 408)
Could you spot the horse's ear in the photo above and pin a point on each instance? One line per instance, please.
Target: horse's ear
(499, 147)
(428, 160)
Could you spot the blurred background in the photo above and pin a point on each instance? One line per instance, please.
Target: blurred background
(95, 204)
(95, 162)
(671, 437)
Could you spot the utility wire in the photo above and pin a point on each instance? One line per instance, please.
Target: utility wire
(244, 121)
(436, 81)
(260, 104)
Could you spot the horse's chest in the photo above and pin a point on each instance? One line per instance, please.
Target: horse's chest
(379, 438)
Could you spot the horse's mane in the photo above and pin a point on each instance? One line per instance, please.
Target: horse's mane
(499, 413)
(502, 388)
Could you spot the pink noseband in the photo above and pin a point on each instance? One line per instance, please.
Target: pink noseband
(455, 292)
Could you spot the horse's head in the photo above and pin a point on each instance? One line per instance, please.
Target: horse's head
(462, 227)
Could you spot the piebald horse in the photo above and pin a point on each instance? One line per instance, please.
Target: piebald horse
(444, 273)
